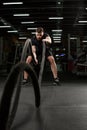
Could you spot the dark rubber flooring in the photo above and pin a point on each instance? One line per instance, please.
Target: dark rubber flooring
(62, 107)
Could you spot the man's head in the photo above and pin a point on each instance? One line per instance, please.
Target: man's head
(39, 33)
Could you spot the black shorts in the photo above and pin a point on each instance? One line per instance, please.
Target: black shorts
(49, 52)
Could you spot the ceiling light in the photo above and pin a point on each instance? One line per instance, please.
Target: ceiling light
(20, 15)
(57, 30)
(59, 3)
(5, 26)
(31, 28)
(56, 34)
(73, 38)
(57, 41)
(56, 37)
(33, 33)
(22, 37)
(84, 41)
(14, 31)
(27, 22)
(55, 18)
(12, 3)
(82, 21)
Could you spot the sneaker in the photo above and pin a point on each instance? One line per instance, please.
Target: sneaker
(25, 81)
(56, 81)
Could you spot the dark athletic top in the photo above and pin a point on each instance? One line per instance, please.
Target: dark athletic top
(38, 45)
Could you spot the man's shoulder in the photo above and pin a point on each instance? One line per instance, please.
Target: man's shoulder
(45, 35)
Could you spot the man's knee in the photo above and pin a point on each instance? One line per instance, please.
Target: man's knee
(51, 59)
(29, 59)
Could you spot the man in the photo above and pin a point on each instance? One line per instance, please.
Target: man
(37, 42)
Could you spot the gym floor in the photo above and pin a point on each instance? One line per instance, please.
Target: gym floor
(62, 107)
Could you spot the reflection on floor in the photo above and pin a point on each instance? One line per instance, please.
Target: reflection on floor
(62, 107)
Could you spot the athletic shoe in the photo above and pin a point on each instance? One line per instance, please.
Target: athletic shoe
(56, 81)
(25, 81)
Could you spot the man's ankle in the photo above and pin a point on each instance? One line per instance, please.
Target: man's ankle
(56, 78)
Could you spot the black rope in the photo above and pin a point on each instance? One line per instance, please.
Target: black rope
(14, 79)
(42, 64)
(26, 48)
(15, 103)
(9, 89)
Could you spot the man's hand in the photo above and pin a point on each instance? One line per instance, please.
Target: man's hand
(44, 40)
(47, 40)
(36, 61)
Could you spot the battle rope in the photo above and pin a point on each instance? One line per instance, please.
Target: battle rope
(9, 89)
(26, 49)
(8, 120)
(28, 45)
(42, 64)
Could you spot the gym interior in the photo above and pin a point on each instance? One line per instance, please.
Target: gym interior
(43, 106)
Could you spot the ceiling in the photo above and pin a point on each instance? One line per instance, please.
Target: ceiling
(39, 12)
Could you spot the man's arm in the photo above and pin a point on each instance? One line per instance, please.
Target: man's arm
(47, 39)
(34, 54)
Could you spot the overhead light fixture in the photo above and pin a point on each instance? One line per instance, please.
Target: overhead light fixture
(55, 18)
(31, 28)
(59, 3)
(33, 33)
(82, 21)
(57, 30)
(27, 22)
(84, 41)
(57, 41)
(12, 3)
(21, 38)
(56, 34)
(5, 26)
(56, 37)
(73, 38)
(20, 15)
(13, 31)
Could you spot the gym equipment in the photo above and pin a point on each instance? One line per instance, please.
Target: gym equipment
(8, 93)
(27, 48)
(7, 112)
(42, 64)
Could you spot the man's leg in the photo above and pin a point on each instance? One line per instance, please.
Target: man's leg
(28, 61)
(53, 68)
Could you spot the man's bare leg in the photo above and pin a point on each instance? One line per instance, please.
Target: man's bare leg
(28, 61)
(53, 68)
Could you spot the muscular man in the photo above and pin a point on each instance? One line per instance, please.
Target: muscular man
(37, 42)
